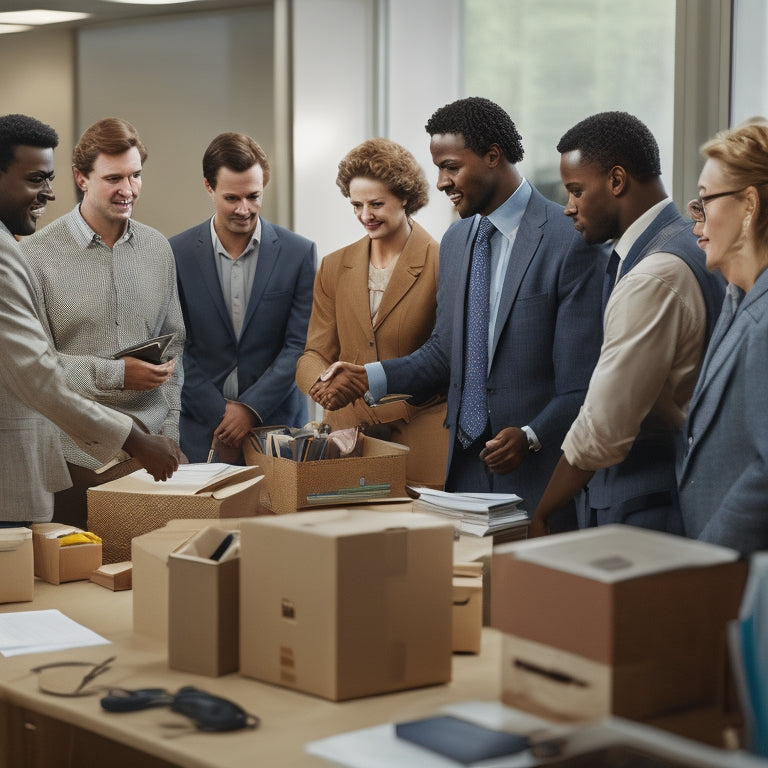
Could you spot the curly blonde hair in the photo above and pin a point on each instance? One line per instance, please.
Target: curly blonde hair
(391, 164)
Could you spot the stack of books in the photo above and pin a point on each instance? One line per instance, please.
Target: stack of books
(474, 514)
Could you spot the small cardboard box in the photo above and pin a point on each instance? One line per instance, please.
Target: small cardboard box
(135, 504)
(56, 564)
(467, 607)
(17, 570)
(614, 620)
(150, 553)
(346, 603)
(114, 576)
(203, 605)
(292, 485)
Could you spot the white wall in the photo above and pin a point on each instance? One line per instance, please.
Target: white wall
(749, 87)
(180, 81)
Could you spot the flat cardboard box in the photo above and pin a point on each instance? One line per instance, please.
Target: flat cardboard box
(614, 620)
(149, 554)
(346, 603)
(203, 606)
(290, 486)
(135, 504)
(17, 570)
(467, 612)
(56, 564)
(114, 576)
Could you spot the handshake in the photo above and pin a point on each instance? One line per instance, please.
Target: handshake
(338, 385)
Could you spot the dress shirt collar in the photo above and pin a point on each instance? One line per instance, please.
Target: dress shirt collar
(85, 235)
(507, 217)
(624, 244)
(252, 246)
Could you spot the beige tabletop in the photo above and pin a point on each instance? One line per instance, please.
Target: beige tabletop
(288, 719)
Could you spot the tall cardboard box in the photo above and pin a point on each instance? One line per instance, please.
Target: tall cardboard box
(56, 564)
(203, 605)
(614, 620)
(346, 603)
(150, 553)
(17, 574)
(135, 504)
(290, 486)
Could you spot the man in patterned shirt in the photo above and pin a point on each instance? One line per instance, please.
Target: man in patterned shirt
(107, 283)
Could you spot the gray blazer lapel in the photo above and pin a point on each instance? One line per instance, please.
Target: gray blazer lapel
(460, 297)
(205, 259)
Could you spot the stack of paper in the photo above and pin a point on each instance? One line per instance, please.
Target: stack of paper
(475, 514)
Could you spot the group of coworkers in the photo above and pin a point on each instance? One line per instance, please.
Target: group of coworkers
(605, 361)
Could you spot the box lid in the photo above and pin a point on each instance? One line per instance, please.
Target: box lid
(614, 553)
(334, 523)
(217, 480)
(12, 538)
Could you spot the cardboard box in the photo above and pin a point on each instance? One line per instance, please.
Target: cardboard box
(114, 576)
(56, 564)
(135, 504)
(614, 620)
(467, 613)
(17, 574)
(346, 603)
(203, 606)
(290, 485)
(150, 553)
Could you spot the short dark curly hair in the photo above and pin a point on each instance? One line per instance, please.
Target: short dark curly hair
(614, 138)
(391, 164)
(481, 122)
(22, 130)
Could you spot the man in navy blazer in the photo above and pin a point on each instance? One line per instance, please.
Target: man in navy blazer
(245, 287)
(543, 313)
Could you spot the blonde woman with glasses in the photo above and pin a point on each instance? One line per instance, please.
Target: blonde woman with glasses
(723, 470)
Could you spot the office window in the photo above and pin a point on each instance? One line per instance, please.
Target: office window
(550, 63)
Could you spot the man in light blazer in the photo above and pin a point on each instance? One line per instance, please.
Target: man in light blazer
(543, 320)
(33, 385)
(245, 287)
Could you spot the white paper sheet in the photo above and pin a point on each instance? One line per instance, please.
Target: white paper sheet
(34, 632)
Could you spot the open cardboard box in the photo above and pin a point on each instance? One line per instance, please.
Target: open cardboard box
(150, 553)
(614, 620)
(346, 603)
(203, 604)
(135, 504)
(290, 485)
(56, 564)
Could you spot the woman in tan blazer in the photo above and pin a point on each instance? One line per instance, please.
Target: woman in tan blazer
(375, 299)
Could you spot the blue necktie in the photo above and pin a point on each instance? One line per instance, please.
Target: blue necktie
(609, 281)
(473, 411)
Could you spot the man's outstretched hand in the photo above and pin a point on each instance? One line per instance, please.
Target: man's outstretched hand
(159, 455)
(339, 384)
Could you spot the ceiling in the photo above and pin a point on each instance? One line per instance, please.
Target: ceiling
(102, 11)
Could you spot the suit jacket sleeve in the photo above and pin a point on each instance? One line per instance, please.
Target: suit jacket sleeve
(268, 391)
(577, 341)
(426, 371)
(31, 369)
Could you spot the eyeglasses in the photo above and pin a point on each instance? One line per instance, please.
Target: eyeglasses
(696, 207)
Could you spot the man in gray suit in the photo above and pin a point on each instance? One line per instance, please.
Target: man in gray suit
(33, 386)
(660, 305)
(539, 330)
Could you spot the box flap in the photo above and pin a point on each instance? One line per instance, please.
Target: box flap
(614, 553)
(188, 480)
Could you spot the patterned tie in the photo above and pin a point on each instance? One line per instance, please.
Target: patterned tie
(609, 281)
(473, 411)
